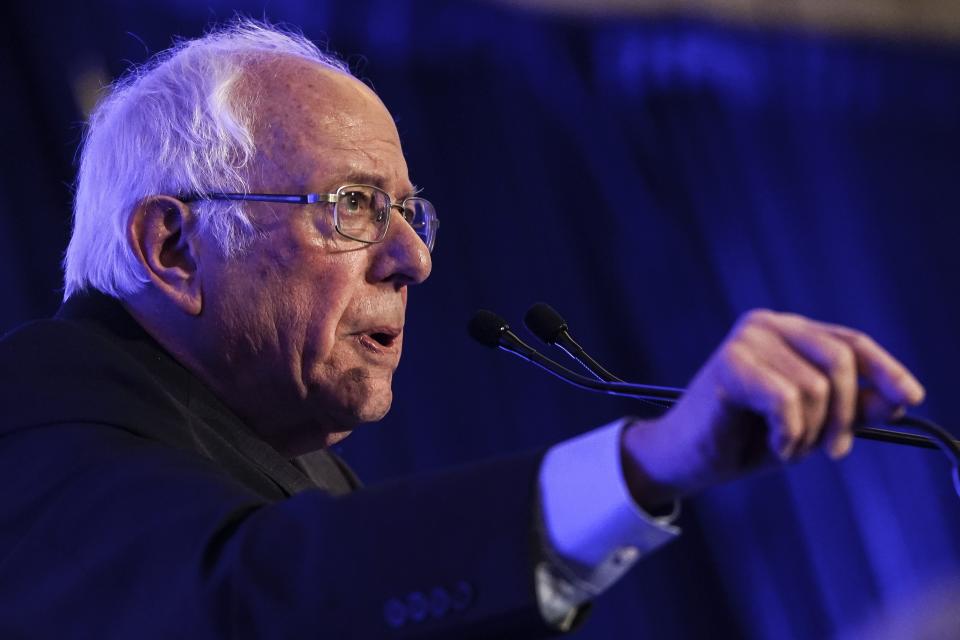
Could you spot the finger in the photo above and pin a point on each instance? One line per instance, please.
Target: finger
(881, 369)
(875, 409)
(755, 386)
(814, 386)
(836, 359)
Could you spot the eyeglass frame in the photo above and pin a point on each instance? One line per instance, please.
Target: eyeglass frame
(331, 198)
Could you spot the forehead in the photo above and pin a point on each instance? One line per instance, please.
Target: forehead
(315, 126)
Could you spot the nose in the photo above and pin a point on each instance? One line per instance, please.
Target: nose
(402, 257)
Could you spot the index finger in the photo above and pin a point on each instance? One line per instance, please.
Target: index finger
(887, 374)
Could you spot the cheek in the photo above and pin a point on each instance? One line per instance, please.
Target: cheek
(318, 308)
(308, 294)
(243, 306)
(277, 321)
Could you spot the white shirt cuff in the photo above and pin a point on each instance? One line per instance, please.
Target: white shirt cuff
(593, 527)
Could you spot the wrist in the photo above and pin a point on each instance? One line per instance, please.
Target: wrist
(645, 462)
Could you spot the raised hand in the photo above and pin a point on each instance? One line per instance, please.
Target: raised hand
(779, 386)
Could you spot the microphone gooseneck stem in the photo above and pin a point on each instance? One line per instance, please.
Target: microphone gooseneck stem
(492, 331)
(665, 397)
(511, 343)
(572, 348)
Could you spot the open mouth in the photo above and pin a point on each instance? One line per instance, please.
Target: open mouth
(382, 338)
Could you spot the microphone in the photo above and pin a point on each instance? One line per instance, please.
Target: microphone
(491, 330)
(550, 327)
(545, 323)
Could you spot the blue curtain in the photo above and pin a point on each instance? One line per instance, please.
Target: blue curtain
(652, 179)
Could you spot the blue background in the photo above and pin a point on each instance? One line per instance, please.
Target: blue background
(651, 179)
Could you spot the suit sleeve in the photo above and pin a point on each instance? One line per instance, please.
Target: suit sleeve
(106, 534)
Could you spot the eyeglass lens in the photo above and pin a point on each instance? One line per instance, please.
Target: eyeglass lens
(363, 213)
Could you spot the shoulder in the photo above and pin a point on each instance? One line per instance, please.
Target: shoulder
(62, 371)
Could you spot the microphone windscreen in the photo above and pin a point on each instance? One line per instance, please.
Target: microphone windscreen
(544, 322)
(486, 327)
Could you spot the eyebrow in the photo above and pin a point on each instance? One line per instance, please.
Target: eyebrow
(362, 177)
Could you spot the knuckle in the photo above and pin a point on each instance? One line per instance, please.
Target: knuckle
(861, 341)
(786, 399)
(818, 387)
(841, 361)
(756, 316)
(735, 354)
(746, 334)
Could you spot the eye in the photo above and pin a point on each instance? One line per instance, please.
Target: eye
(413, 213)
(353, 202)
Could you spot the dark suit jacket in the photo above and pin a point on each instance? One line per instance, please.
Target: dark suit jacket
(133, 504)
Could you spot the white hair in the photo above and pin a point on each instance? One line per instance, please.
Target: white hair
(175, 125)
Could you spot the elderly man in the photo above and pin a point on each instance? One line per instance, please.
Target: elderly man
(245, 235)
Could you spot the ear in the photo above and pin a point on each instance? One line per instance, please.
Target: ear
(161, 234)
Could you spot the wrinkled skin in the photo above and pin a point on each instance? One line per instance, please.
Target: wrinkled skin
(286, 334)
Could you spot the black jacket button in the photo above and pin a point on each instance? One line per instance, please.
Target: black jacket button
(417, 606)
(395, 613)
(440, 602)
(461, 595)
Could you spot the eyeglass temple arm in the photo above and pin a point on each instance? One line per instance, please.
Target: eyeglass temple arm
(309, 198)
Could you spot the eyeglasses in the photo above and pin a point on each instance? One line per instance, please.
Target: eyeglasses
(360, 211)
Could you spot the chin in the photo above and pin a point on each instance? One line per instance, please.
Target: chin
(353, 397)
(331, 414)
(375, 409)
(364, 395)
(346, 423)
